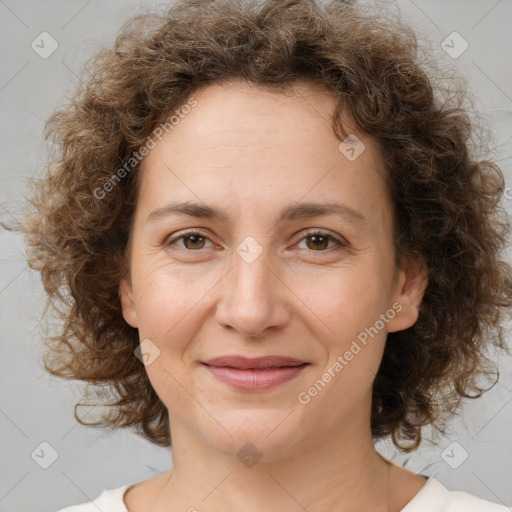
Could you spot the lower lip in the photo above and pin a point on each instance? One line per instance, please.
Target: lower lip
(255, 380)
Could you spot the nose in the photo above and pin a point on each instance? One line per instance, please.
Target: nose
(254, 297)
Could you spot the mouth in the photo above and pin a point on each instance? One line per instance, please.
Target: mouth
(256, 374)
(255, 363)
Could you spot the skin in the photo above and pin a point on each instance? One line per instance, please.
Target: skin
(252, 152)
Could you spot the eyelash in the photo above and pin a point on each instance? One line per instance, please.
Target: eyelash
(341, 245)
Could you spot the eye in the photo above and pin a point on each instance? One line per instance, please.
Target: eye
(193, 240)
(318, 241)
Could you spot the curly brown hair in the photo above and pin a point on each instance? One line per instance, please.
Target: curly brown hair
(445, 188)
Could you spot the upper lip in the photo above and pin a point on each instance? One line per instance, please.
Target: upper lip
(245, 363)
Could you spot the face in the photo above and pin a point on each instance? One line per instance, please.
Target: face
(275, 270)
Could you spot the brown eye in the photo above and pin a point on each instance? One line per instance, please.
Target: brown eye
(196, 241)
(316, 242)
(192, 241)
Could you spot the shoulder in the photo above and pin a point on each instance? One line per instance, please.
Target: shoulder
(134, 495)
(110, 500)
(435, 497)
(459, 501)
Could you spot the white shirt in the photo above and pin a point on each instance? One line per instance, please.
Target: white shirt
(432, 497)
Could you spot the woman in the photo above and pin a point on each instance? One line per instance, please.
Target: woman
(271, 240)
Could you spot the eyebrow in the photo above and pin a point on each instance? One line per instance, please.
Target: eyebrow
(293, 212)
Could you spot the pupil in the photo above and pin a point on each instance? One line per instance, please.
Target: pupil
(193, 238)
(318, 240)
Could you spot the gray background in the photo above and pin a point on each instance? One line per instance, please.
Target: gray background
(36, 408)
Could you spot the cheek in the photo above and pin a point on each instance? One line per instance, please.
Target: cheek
(171, 305)
(170, 313)
(352, 312)
(344, 301)
(354, 343)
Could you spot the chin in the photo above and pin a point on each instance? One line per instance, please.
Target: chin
(265, 432)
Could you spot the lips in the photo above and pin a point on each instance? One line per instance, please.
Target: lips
(244, 363)
(256, 374)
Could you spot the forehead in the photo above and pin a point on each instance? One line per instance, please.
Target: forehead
(260, 143)
(240, 114)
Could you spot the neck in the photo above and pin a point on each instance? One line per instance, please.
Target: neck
(342, 473)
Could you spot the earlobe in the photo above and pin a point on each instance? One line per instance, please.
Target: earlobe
(411, 285)
(127, 303)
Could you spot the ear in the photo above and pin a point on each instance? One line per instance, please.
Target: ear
(411, 283)
(127, 303)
